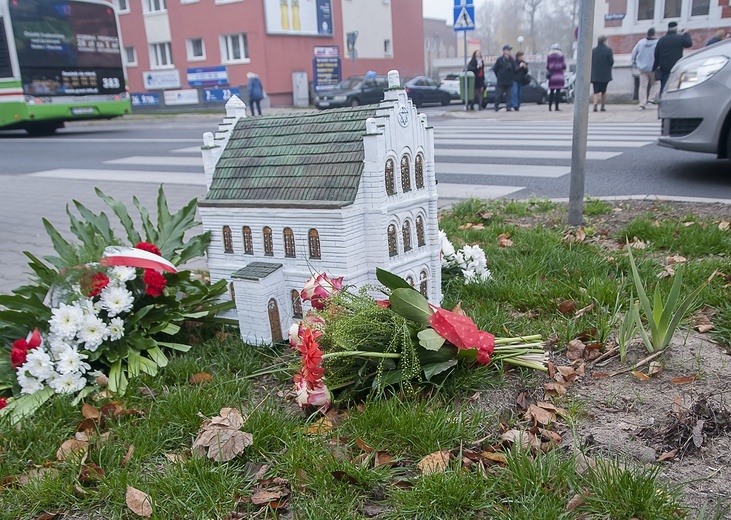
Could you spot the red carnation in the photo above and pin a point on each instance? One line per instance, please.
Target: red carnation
(155, 282)
(32, 341)
(18, 356)
(311, 355)
(150, 248)
(93, 285)
(3, 402)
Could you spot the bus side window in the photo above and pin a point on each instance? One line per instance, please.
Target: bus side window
(5, 70)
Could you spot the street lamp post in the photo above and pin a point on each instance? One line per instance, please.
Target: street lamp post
(521, 39)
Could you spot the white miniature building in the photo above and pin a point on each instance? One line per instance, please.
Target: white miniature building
(338, 191)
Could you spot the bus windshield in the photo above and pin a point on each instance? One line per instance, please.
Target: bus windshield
(67, 47)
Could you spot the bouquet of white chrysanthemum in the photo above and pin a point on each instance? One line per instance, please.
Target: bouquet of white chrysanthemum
(469, 262)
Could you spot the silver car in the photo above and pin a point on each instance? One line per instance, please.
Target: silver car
(695, 107)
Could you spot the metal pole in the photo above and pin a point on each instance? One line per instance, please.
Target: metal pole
(581, 112)
(466, 82)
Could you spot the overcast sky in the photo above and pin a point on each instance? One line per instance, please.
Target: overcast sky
(443, 9)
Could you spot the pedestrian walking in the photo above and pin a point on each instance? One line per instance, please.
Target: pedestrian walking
(643, 58)
(504, 70)
(521, 78)
(255, 90)
(555, 67)
(477, 66)
(717, 37)
(669, 50)
(602, 61)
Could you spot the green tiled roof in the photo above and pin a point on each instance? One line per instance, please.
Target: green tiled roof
(307, 158)
(256, 270)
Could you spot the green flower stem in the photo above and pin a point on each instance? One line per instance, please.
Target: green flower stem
(362, 353)
(518, 339)
(521, 346)
(527, 364)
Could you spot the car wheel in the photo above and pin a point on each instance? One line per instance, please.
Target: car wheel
(355, 102)
(417, 101)
(542, 100)
(446, 101)
(41, 130)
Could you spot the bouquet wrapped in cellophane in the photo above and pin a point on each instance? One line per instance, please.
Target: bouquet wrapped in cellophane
(351, 342)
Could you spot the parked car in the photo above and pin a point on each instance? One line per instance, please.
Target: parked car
(450, 83)
(423, 90)
(532, 92)
(353, 91)
(695, 107)
(566, 94)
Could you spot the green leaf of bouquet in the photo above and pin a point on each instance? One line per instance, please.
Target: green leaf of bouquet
(147, 225)
(411, 305)
(181, 347)
(194, 248)
(437, 368)
(142, 342)
(430, 339)
(148, 366)
(194, 315)
(133, 363)
(117, 378)
(390, 280)
(158, 356)
(83, 393)
(171, 329)
(389, 377)
(120, 210)
(99, 222)
(26, 405)
(65, 250)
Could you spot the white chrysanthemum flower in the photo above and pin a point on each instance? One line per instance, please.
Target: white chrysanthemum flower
(38, 363)
(116, 300)
(87, 306)
(65, 320)
(71, 360)
(68, 383)
(120, 274)
(57, 344)
(116, 329)
(446, 245)
(28, 384)
(93, 332)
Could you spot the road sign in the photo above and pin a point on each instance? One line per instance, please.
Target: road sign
(464, 15)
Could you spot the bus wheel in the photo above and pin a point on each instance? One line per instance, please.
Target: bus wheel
(42, 130)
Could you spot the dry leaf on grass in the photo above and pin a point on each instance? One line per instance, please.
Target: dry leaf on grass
(436, 462)
(128, 455)
(89, 411)
(220, 438)
(576, 501)
(504, 240)
(72, 449)
(723, 225)
(320, 427)
(138, 502)
(683, 380)
(702, 323)
(200, 378)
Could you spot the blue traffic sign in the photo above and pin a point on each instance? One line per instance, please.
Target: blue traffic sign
(464, 15)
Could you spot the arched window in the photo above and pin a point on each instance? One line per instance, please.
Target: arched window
(419, 171)
(289, 251)
(296, 304)
(232, 292)
(228, 242)
(314, 241)
(392, 241)
(410, 280)
(390, 186)
(405, 174)
(406, 232)
(248, 241)
(268, 241)
(420, 238)
(423, 288)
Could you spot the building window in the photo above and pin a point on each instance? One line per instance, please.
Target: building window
(392, 241)
(410, 280)
(419, 171)
(154, 6)
(387, 48)
(232, 292)
(268, 241)
(289, 251)
(405, 174)
(130, 57)
(700, 7)
(420, 238)
(195, 49)
(672, 8)
(296, 304)
(234, 48)
(313, 238)
(645, 9)
(248, 241)
(406, 232)
(423, 287)
(122, 6)
(161, 55)
(390, 187)
(228, 243)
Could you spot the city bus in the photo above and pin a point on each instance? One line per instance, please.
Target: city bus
(60, 60)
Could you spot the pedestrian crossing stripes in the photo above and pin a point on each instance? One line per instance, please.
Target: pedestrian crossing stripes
(471, 157)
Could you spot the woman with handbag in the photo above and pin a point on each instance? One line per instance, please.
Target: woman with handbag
(521, 78)
(555, 65)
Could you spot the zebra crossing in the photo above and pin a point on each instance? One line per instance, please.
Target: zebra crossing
(473, 158)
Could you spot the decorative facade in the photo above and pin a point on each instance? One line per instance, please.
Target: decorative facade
(338, 191)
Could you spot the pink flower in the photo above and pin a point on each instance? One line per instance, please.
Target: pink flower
(462, 332)
(3, 402)
(294, 338)
(312, 395)
(320, 288)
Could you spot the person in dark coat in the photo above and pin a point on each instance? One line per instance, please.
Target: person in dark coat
(717, 37)
(255, 91)
(504, 70)
(669, 50)
(521, 77)
(477, 66)
(602, 61)
(555, 67)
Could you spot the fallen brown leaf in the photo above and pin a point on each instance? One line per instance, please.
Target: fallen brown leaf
(503, 240)
(89, 411)
(90, 472)
(683, 380)
(200, 378)
(702, 323)
(320, 427)
(675, 259)
(128, 455)
(575, 349)
(654, 369)
(48, 516)
(723, 225)
(584, 310)
(668, 455)
(265, 496)
(221, 438)
(72, 449)
(567, 307)
(436, 462)
(576, 501)
(640, 375)
(138, 502)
